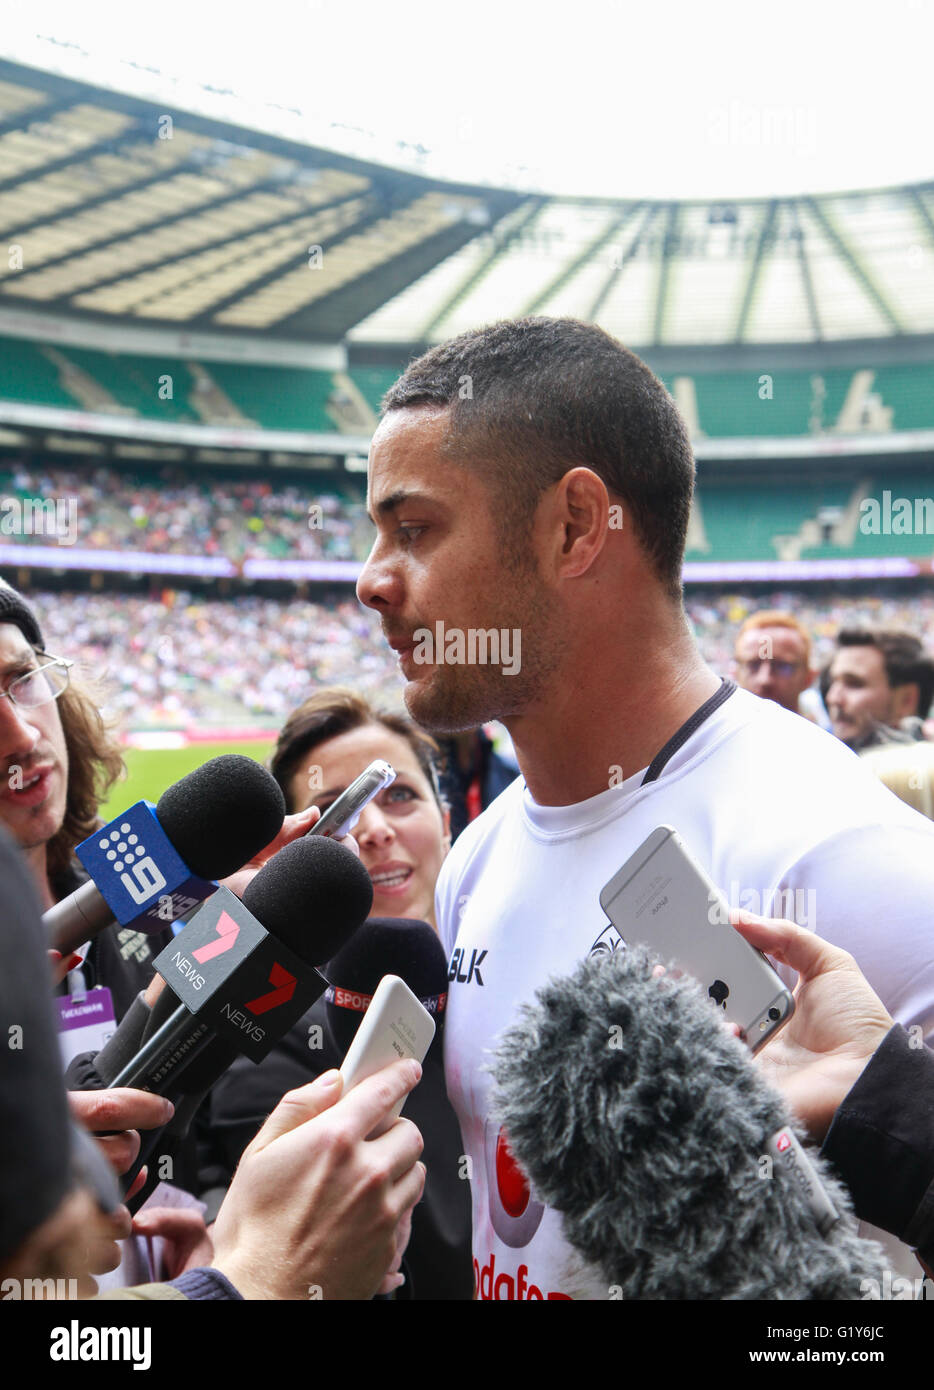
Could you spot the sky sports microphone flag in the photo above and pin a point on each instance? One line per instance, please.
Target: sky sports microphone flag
(152, 864)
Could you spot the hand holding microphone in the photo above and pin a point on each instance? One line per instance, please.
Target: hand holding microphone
(114, 1118)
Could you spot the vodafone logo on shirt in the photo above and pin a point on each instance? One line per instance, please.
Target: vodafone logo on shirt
(502, 1287)
(515, 1215)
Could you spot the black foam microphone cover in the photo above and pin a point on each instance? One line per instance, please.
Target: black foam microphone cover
(221, 814)
(311, 896)
(400, 946)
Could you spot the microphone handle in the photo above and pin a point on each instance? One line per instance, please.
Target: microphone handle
(77, 918)
(180, 1026)
(170, 1136)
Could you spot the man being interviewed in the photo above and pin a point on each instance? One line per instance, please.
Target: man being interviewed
(534, 479)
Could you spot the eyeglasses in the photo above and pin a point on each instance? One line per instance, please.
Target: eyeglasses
(39, 687)
(779, 668)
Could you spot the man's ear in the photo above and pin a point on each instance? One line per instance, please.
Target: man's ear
(905, 699)
(586, 518)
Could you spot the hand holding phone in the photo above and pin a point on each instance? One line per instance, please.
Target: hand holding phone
(396, 1025)
(662, 898)
(342, 815)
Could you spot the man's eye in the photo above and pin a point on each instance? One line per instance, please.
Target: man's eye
(23, 674)
(408, 534)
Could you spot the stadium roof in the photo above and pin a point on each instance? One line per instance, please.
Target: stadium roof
(127, 212)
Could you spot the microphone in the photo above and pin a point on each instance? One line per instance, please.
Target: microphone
(677, 1169)
(240, 973)
(312, 895)
(153, 864)
(385, 946)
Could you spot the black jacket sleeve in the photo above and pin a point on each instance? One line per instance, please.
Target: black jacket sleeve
(881, 1141)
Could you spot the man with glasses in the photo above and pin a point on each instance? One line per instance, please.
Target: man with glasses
(773, 659)
(57, 763)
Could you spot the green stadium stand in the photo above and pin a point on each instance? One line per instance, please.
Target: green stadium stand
(755, 404)
(278, 398)
(730, 405)
(787, 520)
(909, 390)
(134, 381)
(374, 382)
(26, 374)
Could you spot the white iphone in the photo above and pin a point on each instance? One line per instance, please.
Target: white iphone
(395, 1025)
(662, 898)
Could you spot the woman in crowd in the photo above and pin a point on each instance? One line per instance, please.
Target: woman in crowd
(403, 839)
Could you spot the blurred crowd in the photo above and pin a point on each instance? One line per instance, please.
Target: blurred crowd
(822, 613)
(184, 660)
(181, 660)
(165, 512)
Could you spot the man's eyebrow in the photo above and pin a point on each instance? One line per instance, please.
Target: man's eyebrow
(18, 663)
(398, 498)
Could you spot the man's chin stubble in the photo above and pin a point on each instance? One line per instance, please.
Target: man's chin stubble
(441, 709)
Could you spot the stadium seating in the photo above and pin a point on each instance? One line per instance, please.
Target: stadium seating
(762, 402)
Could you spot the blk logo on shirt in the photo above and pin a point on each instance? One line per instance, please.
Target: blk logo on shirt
(458, 961)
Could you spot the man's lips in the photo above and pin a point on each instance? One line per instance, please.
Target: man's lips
(30, 788)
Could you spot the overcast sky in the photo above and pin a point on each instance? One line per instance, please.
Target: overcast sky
(703, 98)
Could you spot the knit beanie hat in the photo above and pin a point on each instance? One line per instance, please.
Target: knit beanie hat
(15, 609)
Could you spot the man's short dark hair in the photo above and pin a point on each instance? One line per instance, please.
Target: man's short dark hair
(905, 660)
(532, 398)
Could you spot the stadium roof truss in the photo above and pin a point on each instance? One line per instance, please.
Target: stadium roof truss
(114, 208)
(118, 210)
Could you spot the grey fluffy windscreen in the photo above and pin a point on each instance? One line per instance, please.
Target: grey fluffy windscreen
(645, 1123)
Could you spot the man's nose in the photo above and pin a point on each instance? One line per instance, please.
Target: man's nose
(379, 585)
(18, 737)
(835, 694)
